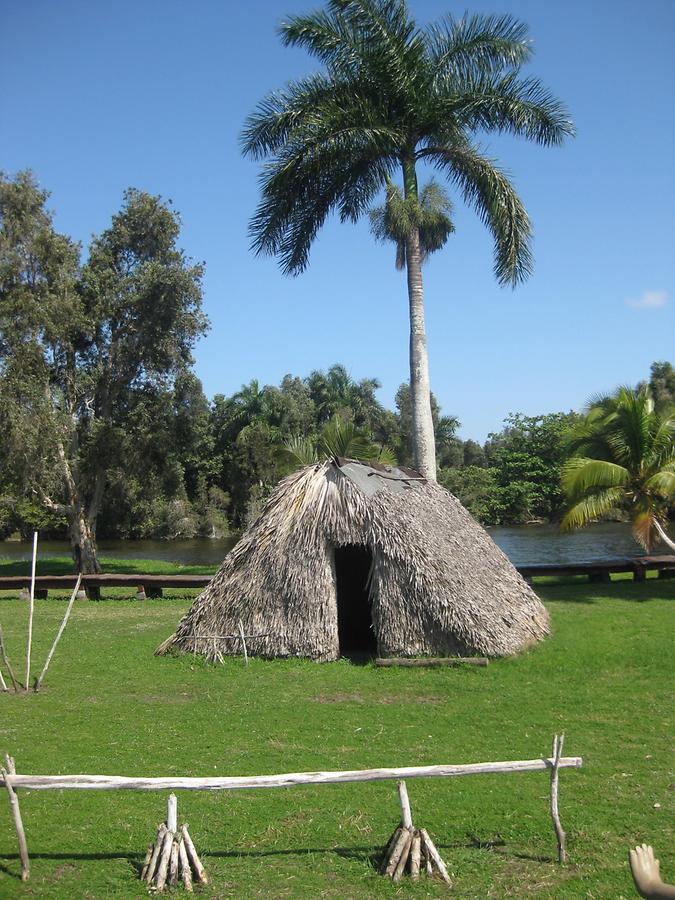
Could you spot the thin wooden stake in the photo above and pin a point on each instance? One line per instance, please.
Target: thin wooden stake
(415, 856)
(555, 816)
(16, 815)
(3, 651)
(146, 861)
(173, 864)
(403, 859)
(163, 867)
(192, 856)
(406, 815)
(3, 683)
(434, 856)
(396, 851)
(156, 850)
(31, 603)
(59, 633)
(243, 642)
(186, 874)
(427, 860)
(387, 852)
(172, 814)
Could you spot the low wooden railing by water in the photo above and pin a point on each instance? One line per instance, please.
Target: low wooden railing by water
(152, 585)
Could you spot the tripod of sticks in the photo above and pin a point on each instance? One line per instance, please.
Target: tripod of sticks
(172, 856)
(411, 848)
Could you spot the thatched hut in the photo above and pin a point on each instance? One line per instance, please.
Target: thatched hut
(352, 558)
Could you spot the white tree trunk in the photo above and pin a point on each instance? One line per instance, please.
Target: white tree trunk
(82, 541)
(662, 534)
(424, 447)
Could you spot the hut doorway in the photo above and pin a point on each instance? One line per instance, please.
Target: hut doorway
(356, 634)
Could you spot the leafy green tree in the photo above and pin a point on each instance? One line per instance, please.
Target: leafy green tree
(528, 456)
(662, 385)
(477, 489)
(623, 458)
(335, 392)
(473, 454)
(81, 344)
(392, 97)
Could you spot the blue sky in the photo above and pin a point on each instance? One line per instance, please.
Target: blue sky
(96, 97)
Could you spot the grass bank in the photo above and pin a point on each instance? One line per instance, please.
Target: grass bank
(110, 706)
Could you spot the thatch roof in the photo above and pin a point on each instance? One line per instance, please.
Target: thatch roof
(439, 585)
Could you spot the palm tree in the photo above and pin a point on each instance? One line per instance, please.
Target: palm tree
(394, 96)
(392, 222)
(338, 438)
(624, 457)
(335, 392)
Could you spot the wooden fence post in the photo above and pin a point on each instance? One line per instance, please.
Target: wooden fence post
(559, 833)
(16, 816)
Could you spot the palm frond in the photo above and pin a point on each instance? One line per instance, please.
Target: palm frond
(643, 528)
(477, 43)
(581, 475)
(430, 214)
(488, 190)
(589, 509)
(327, 36)
(663, 444)
(298, 451)
(663, 483)
(277, 115)
(522, 107)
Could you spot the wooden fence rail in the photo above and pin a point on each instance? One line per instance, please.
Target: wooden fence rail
(245, 782)
(14, 782)
(152, 585)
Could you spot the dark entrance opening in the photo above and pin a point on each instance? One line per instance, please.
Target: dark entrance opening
(355, 622)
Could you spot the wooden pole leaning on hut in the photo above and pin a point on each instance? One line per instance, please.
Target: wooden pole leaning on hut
(172, 856)
(409, 847)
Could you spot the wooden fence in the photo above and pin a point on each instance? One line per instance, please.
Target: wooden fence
(152, 585)
(14, 782)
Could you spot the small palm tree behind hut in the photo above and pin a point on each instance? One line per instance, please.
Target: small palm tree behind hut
(349, 557)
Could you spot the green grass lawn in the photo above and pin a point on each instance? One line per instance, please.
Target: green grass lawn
(109, 706)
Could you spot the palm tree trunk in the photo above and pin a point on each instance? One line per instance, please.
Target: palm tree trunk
(662, 534)
(424, 449)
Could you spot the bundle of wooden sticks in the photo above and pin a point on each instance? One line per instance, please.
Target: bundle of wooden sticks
(172, 857)
(411, 848)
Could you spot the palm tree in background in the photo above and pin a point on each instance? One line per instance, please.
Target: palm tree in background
(624, 458)
(339, 438)
(335, 392)
(392, 97)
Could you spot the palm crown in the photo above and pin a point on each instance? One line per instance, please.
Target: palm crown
(392, 95)
(624, 457)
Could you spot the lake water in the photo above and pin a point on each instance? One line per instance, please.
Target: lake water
(524, 546)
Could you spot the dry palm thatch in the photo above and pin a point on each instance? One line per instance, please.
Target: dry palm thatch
(439, 585)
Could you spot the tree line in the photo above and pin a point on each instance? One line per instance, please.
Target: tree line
(105, 428)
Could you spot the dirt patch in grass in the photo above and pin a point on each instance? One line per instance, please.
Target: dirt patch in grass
(62, 870)
(385, 699)
(339, 698)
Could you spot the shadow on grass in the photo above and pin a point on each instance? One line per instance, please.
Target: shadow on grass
(370, 854)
